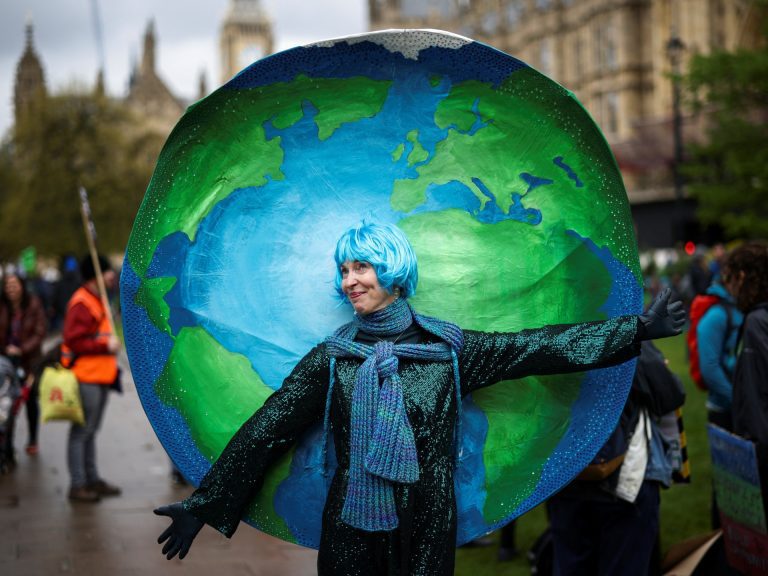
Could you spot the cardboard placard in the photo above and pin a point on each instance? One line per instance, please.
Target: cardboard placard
(736, 477)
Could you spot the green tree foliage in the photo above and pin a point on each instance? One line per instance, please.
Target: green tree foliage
(729, 173)
(9, 186)
(61, 143)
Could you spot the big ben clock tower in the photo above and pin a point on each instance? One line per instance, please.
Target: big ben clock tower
(246, 36)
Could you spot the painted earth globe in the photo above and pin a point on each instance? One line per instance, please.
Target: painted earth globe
(500, 179)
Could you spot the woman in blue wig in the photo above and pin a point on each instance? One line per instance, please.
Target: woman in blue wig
(389, 384)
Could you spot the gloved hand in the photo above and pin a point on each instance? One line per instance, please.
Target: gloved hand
(663, 318)
(182, 531)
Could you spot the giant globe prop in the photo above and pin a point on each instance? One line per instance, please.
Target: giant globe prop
(502, 182)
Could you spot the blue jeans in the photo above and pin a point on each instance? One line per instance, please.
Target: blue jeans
(81, 447)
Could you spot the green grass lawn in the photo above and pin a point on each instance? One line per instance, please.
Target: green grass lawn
(684, 508)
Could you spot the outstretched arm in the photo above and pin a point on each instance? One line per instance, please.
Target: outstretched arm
(238, 473)
(488, 358)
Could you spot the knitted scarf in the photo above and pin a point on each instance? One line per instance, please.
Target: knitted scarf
(382, 446)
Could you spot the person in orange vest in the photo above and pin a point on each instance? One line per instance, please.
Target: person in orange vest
(89, 349)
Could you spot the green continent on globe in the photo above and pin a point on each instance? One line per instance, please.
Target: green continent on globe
(535, 417)
(218, 391)
(398, 152)
(489, 256)
(418, 153)
(203, 162)
(478, 117)
(510, 114)
(151, 297)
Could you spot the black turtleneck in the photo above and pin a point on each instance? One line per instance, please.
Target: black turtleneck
(414, 334)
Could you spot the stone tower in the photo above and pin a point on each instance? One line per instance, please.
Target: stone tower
(30, 81)
(246, 36)
(148, 55)
(148, 95)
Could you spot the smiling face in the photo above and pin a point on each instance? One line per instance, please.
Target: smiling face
(361, 286)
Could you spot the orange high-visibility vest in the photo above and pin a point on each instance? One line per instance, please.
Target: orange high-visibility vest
(91, 368)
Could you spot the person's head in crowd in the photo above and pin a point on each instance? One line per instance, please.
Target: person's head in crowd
(88, 271)
(14, 291)
(716, 258)
(69, 264)
(718, 253)
(745, 274)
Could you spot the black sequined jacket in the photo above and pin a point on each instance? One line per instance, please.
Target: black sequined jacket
(424, 543)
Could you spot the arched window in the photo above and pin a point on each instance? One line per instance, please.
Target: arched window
(514, 13)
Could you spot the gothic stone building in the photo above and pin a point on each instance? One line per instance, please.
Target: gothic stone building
(30, 80)
(148, 96)
(245, 35)
(613, 54)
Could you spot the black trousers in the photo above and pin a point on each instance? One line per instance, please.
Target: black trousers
(593, 537)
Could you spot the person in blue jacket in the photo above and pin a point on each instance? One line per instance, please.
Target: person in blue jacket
(717, 334)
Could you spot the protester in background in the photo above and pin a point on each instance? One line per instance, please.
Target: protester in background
(652, 281)
(606, 522)
(699, 273)
(717, 259)
(22, 330)
(712, 339)
(717, 332)
(89, 349)
(747, 271)
(69, 281)
(694, 282)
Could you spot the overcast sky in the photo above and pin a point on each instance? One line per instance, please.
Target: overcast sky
(187, 35)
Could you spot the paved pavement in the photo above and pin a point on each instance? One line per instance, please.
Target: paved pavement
(43, 534)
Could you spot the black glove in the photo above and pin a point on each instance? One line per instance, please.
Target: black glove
(182, 531)
(663, 318)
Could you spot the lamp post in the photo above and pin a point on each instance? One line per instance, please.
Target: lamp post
(675, 48)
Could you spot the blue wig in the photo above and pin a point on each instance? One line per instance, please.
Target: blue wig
(386, 248)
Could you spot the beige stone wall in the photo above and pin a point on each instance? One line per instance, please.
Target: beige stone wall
(610, 53)
(148, 96)
(151, 100)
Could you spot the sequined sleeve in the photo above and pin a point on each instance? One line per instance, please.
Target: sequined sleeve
(490, 357)
(238, 473)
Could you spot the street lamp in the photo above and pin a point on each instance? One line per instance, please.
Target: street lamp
(675, 49)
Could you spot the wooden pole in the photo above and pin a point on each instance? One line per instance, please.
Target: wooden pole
(90, 236)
